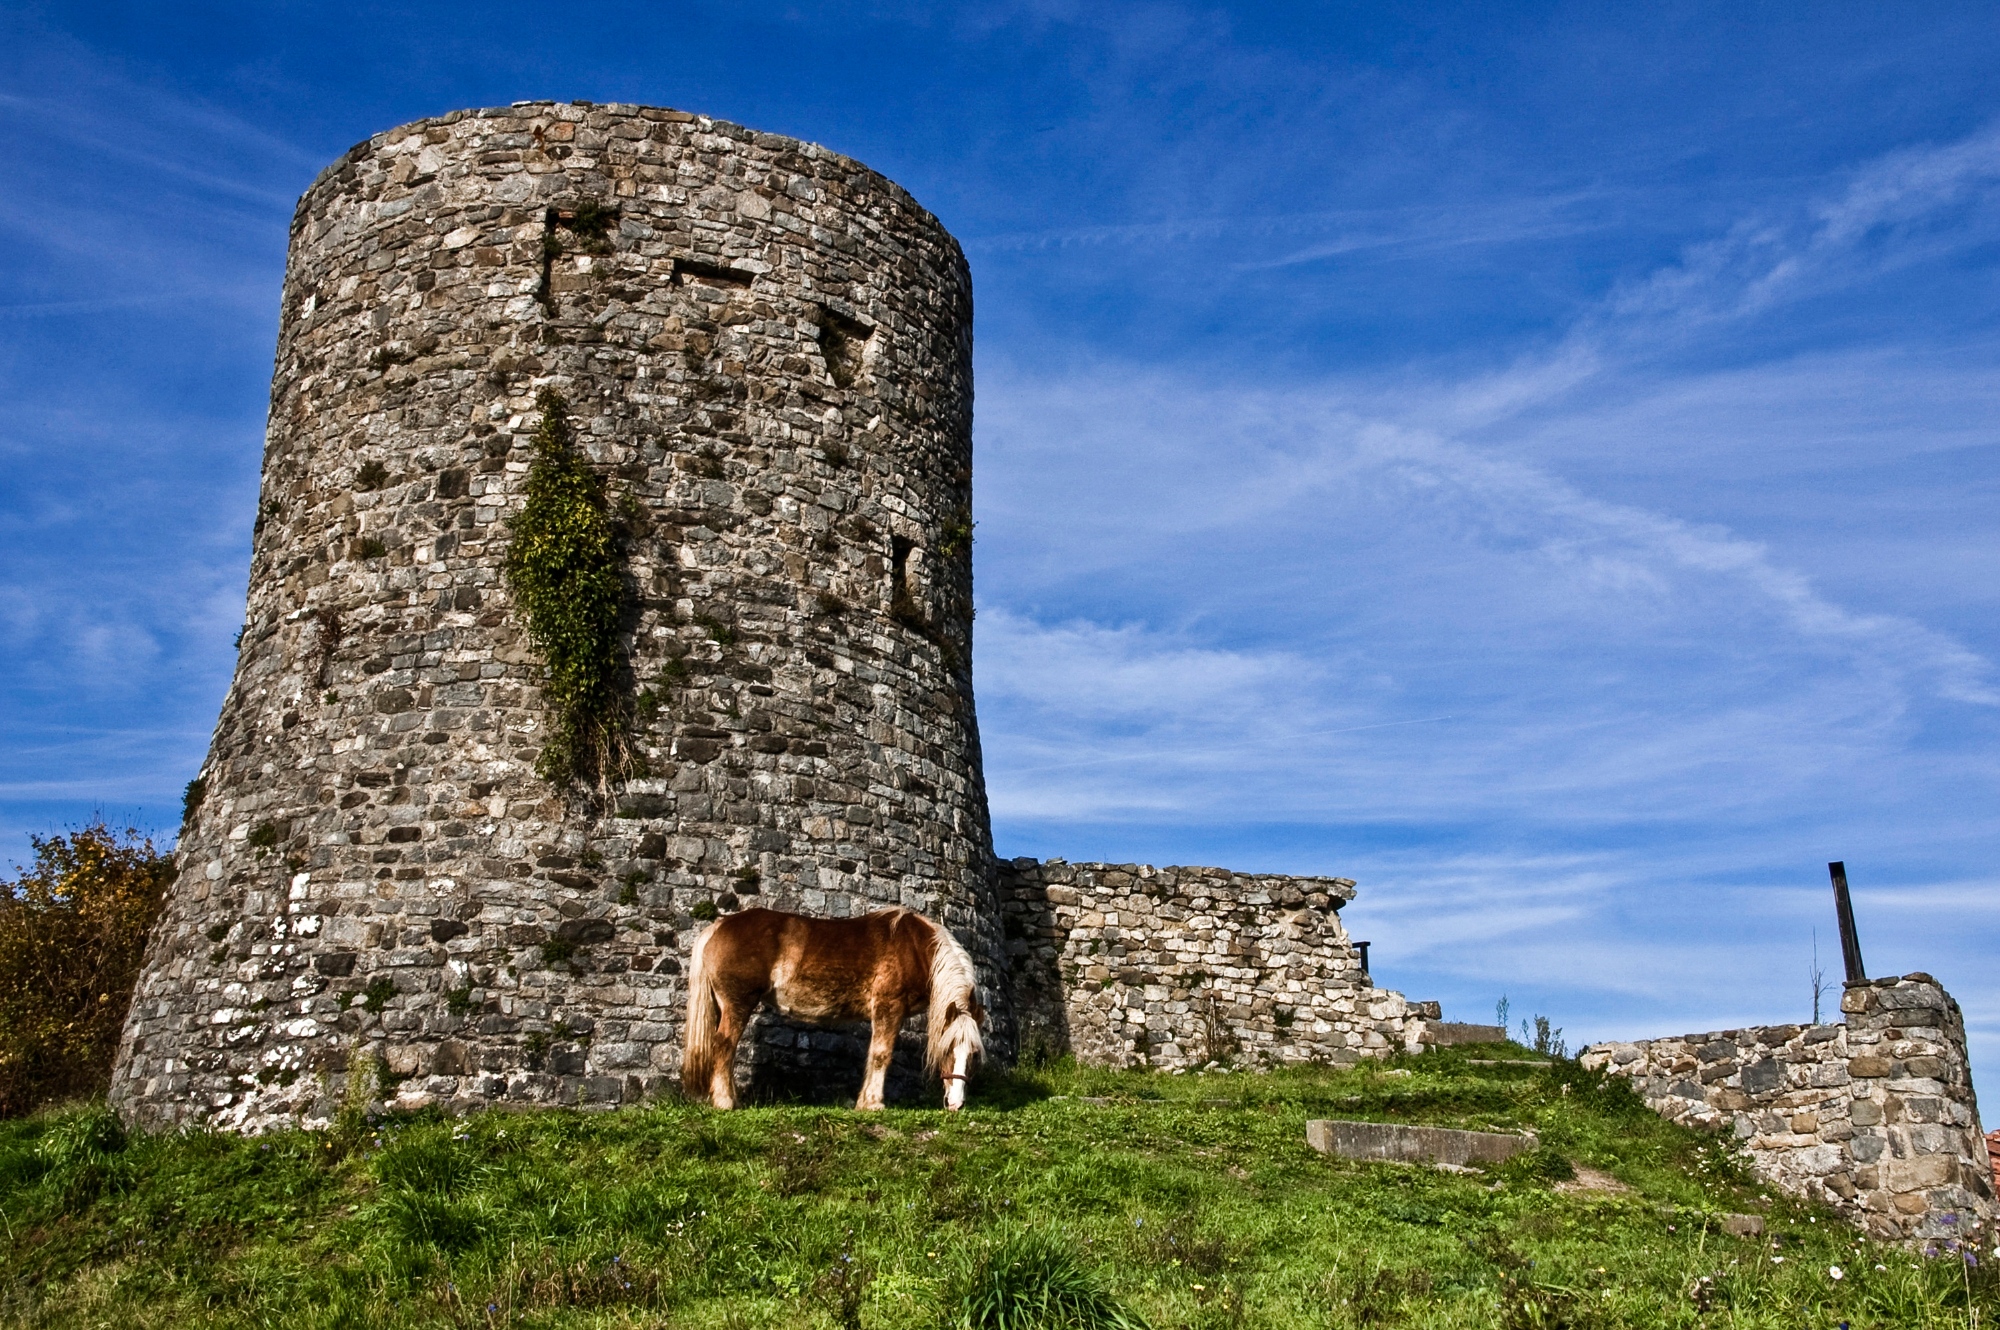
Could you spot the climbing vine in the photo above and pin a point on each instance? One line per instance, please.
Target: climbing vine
(565, 568)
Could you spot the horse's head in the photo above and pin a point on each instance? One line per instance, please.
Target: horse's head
(958, 1046)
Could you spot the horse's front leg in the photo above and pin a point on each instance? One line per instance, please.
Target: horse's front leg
(881, 1048)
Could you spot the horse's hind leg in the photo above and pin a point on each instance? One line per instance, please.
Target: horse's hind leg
(732, 1017)
(881, 1048)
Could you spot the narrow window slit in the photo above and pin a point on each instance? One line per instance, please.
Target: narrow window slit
(903, 606)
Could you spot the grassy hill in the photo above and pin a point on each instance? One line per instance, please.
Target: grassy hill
(1128, 1197)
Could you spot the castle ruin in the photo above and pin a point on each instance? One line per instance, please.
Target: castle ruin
(762, 354)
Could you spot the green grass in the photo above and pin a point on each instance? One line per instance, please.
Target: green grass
(1176, 1201)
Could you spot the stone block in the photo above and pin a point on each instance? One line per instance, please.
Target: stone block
(1762, 1077)
(1397, 1143)
(1919, 1172)
(1445, 1033)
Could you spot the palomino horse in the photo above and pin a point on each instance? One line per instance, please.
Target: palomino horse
(876, 968)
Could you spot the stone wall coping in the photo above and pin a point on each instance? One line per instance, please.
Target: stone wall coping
(1341, 887)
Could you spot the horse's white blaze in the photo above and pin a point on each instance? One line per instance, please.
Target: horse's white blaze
(954, 1085)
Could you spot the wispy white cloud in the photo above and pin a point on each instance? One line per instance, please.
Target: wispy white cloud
(1274, 568)
(1310, 237)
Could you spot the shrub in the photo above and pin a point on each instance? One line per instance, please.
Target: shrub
(1545, 1038)
(72, 934)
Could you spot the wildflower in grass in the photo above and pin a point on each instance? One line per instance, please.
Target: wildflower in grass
(1834, 1272)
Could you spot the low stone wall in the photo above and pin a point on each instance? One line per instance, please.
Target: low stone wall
(1875, 1117)
(1128, 965)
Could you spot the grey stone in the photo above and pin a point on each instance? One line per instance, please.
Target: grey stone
(1763, 1076)
(1395, 1142)
(1458, 1032)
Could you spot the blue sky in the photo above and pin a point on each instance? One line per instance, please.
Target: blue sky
(1540, 461)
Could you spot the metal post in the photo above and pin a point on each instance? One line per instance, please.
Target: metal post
(1850, 942)
(1363, 946)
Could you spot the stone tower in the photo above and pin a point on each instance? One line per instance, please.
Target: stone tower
(765, 349)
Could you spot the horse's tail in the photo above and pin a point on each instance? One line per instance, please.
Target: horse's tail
(955, 1013)
(699, 1042)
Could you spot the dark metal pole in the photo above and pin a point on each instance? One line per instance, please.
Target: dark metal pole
(1363, 947)
(1850, 942)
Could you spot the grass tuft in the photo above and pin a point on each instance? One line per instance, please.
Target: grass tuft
(1031, 1279)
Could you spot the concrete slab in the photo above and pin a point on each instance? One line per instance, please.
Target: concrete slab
(1396, 1143)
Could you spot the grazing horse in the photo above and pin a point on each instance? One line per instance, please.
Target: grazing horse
(876, 968)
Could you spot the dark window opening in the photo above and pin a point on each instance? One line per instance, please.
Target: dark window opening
(694, 270)
(843, 343)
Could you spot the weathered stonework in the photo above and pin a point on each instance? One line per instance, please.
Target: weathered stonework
(766, 350)
(1127, 965)
(1875, 1117)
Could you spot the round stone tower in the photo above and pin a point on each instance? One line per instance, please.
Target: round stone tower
(764, 354)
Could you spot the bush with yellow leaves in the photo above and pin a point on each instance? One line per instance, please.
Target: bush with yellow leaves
(72, 934)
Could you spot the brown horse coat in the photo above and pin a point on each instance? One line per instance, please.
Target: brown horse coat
(877, 968)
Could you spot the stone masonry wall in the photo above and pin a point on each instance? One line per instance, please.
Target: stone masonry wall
(766, 349)
(1127, 965)
(1875, 1117)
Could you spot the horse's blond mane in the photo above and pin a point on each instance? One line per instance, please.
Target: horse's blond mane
(952, 983)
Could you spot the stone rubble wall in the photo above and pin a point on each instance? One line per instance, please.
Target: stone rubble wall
(766, 350)
(1127, 965)
(1874, 1117)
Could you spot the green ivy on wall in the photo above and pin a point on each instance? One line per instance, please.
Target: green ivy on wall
(564, 566)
